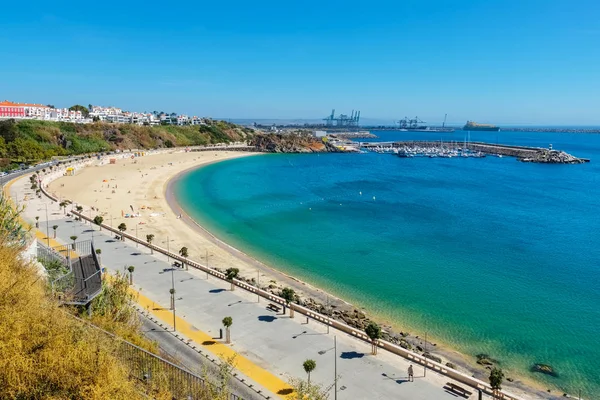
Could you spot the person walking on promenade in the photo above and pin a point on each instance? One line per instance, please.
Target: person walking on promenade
(411, 377)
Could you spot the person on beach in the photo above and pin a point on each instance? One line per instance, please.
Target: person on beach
(411, 377)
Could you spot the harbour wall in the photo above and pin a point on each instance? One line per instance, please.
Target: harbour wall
(522, 153)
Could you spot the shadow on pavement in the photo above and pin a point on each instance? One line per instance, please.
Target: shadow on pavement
(266, 318)
(216, 290)
(349, 355)
(285, 391)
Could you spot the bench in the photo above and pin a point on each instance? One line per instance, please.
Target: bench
(274, 307)
(458, 389)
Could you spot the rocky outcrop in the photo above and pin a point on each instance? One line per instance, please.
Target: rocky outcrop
(552, 157)
(291, 143)
(544, 369)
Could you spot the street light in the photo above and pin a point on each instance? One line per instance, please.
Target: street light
(136, 235)
(47, 227)
(173, 294)
(334, 366)
(168, 251)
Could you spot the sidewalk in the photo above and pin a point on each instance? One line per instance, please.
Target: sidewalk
(270, 347)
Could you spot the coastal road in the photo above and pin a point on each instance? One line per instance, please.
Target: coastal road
(262, 339)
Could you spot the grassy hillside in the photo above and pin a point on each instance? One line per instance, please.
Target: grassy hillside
(47, 354)
(30, 141)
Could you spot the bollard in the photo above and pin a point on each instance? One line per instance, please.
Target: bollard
(221, 333)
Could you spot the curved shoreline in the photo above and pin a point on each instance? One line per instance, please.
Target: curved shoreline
(439, 347)
(177, 209)
(163, 189)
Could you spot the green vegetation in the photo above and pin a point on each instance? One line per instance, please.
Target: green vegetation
(373, 331)
(122, 228)
(227, 322)
(289, 295)
(496, 377)
(46, 353)
(149, 239)
(131, 268)
(30, 141)
(183, 252)
(309, 366)
(84, 110)
(231, 274)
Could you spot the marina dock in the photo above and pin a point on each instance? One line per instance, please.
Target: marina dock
(443, 149)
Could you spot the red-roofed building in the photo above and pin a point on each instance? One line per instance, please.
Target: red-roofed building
(11, 110)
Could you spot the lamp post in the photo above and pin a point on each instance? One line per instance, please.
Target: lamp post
(173, 289)
(425, 371)
(334, 366)
(47, 224)
(168, 251)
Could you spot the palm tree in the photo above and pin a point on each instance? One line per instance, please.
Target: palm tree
(149, 239)
(183, 252)
(79, 208)
(496, 376)
(63, 204)
(289, 295)
(172, 292)
(309, 366)
(37, 222)
(122, 228)
(98, 219)
(131, 268)
(231, 274)
(373, 331)
(227, 322)
(73, 238)
(54, 227)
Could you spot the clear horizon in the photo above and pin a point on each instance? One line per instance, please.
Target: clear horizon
(511, 62)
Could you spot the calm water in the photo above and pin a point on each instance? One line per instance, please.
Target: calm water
(489, 255)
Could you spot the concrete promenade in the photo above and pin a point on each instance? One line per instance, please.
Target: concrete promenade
(270, 347)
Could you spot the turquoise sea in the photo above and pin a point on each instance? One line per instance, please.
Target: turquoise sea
(487, 255)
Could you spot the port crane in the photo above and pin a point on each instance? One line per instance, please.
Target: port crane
(407, 123)
(343, 120)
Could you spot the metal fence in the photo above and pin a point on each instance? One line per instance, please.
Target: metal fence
(155, 372)
(48, 254)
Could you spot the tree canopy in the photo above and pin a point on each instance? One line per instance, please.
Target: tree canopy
(84, 110)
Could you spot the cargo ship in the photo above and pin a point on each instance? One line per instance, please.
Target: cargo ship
(474, 126)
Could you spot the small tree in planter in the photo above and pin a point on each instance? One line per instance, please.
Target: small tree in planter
(54, 228)
(289, 295)
(122, 228)
(183, 252)
(73, 238)
(98, 219)
(496, 377)
(309, 366)
(172, 292)
(227, 322)
(231, 274)
(131, 268)
(149, 239)
(373, 331)
(98, 252)
(37, 222)
(79, 208)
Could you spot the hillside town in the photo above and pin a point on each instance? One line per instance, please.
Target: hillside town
(86, 115)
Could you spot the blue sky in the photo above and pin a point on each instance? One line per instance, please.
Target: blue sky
(528, 61)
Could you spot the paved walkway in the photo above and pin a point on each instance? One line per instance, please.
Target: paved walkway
(269, 347)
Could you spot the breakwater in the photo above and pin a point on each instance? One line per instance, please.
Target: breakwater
(522, 153)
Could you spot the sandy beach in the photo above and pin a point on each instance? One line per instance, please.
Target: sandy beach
(143, 186)
(144, 183)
